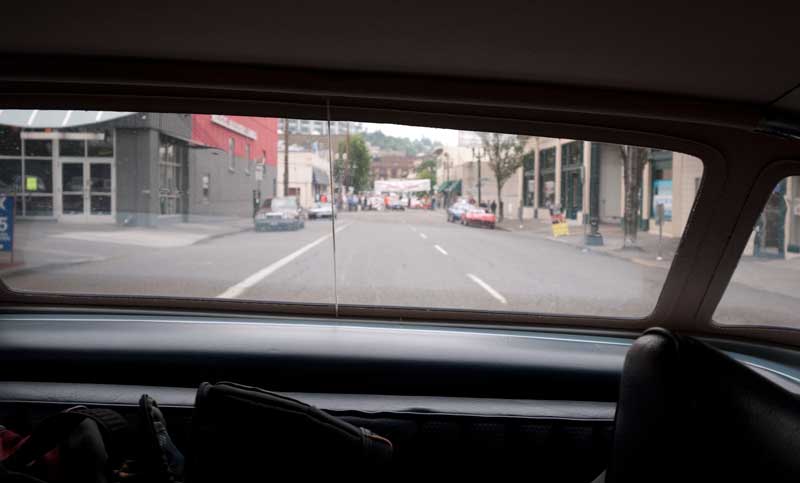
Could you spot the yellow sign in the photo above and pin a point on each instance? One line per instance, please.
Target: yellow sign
(560, 229)
(31, 183)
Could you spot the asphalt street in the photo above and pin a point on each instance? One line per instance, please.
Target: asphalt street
(404, 259)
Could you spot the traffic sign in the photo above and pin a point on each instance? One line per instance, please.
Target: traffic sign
(6, 223)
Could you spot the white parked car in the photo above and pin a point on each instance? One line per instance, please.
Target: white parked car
(321, 210)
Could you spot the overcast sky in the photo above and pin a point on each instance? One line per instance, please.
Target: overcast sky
(447, 137)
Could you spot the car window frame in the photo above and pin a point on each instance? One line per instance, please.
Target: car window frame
(700, 127)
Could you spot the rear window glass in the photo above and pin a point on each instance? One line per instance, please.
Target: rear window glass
(765, 288)
(347, 212)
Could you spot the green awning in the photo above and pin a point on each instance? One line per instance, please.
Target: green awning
(454, 187)
(443, 187)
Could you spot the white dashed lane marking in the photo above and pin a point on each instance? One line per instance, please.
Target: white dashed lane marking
(238, 289)
(494, 293)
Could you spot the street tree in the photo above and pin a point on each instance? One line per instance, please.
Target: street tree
(427, 170)
(633, 161)
(353, 171)
(504, 153)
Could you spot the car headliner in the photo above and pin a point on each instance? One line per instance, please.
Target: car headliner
(722, 50)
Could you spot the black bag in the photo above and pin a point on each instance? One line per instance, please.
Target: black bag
(96, 446)
(243, 433)
(79, 444)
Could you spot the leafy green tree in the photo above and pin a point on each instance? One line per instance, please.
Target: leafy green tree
(360, 162)
(353, 171)
(427, 170)
(504, 153)
(411, 147)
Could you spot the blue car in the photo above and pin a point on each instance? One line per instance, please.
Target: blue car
(456, 211)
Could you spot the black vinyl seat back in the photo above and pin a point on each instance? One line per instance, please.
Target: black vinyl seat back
(688, 412)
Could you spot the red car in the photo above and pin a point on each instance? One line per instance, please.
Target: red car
(479, 217)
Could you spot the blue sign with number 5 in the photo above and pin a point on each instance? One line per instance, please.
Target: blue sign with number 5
(6, 223)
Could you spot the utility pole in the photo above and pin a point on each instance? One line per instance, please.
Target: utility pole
(347, 156)
(285, 157)
(479, 173)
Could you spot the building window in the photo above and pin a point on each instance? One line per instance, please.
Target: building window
(547, 177)
(661, 192)
(248, 162)
(10, 141)
(102, 148)
(528, 178)
(231, 155)
(571, 182)
(572, 154)
(172, 156)
(67, 148)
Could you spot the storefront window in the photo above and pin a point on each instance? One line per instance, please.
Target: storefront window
(571, 180)
(172, 173)
(38, 147)
(528, 178)
(661, 192)
(572, 154)
(10, 175)
(10, 142)
(68, 147)
(547, 177)
(38, 205)
(39, 176)
(102, 148)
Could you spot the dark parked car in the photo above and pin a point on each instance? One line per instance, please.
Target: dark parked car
(280, 214)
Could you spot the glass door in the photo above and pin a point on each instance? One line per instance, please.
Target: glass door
(100, 189)
(87, 190)
(73, 188)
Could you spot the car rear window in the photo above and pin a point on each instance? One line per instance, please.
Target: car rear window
(176, 205)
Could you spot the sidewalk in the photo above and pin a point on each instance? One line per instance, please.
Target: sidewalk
(770, 275)
(40, 244)
(646, 253)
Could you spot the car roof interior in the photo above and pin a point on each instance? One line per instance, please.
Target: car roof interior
(573, 397)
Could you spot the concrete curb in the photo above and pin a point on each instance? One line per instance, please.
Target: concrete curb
(22, 270)
(51, 266)
(611, 253)
(223, 234)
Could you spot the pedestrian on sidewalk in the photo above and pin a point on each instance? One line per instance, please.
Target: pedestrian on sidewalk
(494, 207)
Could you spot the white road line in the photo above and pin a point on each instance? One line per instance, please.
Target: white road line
(424, 236)
(238, 289)
(494, 293)
(440, 249)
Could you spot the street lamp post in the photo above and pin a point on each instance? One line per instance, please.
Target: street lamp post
(478, 157)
